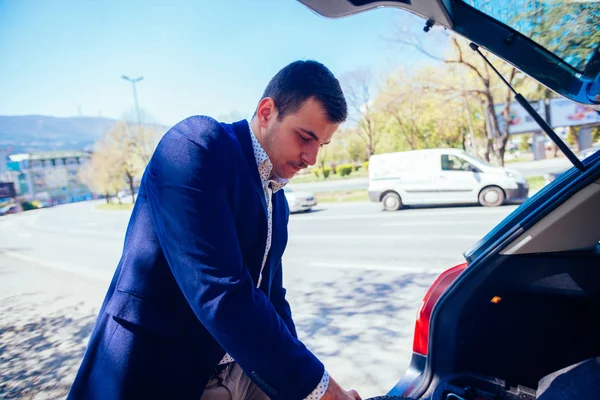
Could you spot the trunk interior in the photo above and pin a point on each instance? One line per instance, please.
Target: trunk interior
(533, 315)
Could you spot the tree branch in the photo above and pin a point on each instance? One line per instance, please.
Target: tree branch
(419, 46)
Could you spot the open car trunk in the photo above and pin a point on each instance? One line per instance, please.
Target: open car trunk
(527, 306)
(534, 315)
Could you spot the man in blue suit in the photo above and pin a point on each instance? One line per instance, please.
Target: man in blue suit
(196, 308)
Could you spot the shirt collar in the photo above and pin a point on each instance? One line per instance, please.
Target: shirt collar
(264, 164)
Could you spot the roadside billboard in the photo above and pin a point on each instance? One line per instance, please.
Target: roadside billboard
(520, 120)
(7, 189)
(566, 113)
(563, 113)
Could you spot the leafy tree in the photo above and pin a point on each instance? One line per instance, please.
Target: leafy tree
(120, 157)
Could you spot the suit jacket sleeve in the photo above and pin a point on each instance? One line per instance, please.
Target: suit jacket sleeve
(187, 185)
(280, 302)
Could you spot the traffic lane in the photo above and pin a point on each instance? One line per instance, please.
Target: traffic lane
(373, 211)
(378, 252)
(430, 239)
(76, 238)
(38, 239)
(63, 236)
(79, 219)
(541, 167)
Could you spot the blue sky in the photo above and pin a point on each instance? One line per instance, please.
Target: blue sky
(63, 58)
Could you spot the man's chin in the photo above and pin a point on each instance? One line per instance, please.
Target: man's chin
(287, 176)
(288, 173)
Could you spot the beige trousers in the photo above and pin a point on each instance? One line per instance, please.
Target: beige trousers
(232, 384)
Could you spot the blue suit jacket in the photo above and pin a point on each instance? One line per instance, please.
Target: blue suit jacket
(184, 291)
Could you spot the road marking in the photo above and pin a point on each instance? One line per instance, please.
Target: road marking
(405, 214)
(427, 236)
(373, 267)
(437, 223)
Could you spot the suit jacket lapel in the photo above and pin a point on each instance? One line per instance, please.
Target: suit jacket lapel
(242, 131)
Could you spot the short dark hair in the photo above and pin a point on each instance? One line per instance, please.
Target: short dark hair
(301, 80)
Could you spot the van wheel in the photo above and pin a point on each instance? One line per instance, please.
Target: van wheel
(491, 196)
(391, 202)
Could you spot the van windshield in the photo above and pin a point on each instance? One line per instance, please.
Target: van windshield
(476, 160)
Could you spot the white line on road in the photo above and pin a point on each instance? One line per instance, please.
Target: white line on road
(412, 236)
(437, 223)
(407, 214)
(377, 267)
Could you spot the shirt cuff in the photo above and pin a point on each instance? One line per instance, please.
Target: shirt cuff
(320, 389)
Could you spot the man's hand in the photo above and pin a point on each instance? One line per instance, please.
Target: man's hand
(335, 392)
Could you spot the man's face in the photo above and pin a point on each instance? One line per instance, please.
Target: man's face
(293, 142)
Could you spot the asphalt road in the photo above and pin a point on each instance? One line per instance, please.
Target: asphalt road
(355, 276)
(541, 167)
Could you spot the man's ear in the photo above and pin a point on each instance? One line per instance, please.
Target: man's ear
(265, 111)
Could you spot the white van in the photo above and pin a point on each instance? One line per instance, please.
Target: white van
(441, 176)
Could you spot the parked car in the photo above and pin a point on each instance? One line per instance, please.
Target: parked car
(549, 177)
(518, 319)
(8, 208)
(299, 201)
(441, 176)
(589, 151)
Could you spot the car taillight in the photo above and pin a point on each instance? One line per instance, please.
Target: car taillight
(433, 294)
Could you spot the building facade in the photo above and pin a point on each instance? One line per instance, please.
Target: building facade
(51, 177)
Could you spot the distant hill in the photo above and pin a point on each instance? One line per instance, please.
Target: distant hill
(33, 133)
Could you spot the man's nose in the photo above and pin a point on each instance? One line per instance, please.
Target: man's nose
(310, 157)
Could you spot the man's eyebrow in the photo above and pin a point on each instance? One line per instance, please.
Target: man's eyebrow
(312, 135)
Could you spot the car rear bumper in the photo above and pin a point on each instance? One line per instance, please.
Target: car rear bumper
(517, 195)
(412, 378)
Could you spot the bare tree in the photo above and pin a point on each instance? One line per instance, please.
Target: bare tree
(140, 138)
(484, 91)
(360, 90)
(505, 134)
(400, 100)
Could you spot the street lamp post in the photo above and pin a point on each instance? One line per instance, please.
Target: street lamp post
(135, 101)
(139, 123)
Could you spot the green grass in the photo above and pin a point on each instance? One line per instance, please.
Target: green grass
(536, 182)
(342, 196)
(114, 207)
(310, 178)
